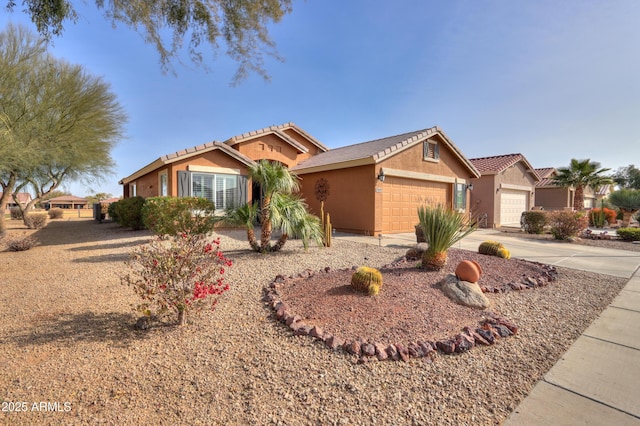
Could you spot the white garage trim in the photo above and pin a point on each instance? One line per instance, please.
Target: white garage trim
(516, 187)
(420, 176)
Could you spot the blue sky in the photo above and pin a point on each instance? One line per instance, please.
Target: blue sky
(553, 80)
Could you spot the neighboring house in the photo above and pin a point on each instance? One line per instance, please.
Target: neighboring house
(66, 202)
(504, 190)
(376, 187)
(553, 197)
(373, 187)
(24, 198)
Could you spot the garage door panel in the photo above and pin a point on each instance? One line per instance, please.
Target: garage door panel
(512, 204)
(402, 197)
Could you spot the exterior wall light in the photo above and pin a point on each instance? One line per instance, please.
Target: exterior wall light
(381, 176)
(470, 187)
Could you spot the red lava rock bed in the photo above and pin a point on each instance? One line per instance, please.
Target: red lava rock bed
(410, 318)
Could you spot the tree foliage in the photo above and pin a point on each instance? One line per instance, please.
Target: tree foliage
(581, 174)
(242, 25)
(627, 177)
(281, 208)
(57, 122)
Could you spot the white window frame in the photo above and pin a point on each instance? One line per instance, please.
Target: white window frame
(133, 189)
(163, 184)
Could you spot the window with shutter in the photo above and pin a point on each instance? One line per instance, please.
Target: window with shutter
(430, 150)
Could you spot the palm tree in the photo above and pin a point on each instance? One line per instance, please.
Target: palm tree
(580, 174)
(280, 209)
(628, 201)
(442, 228)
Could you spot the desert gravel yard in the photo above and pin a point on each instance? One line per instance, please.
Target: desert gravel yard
(67, 340)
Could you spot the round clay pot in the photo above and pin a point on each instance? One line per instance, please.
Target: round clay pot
(469, 270)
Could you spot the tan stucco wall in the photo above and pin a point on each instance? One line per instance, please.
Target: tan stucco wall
(351, 197)
(273, 147)
(485, 197)
(411, 160)
(553, 198)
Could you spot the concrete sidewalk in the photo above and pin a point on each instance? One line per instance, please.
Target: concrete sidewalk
(597, 381)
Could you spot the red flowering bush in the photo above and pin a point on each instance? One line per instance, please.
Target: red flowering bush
(567, 224)
(181, 274)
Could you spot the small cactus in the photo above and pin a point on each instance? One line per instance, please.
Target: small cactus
(367, 280)
(494, 248)
(503, 253)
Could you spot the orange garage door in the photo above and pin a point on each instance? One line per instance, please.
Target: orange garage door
(401, 198)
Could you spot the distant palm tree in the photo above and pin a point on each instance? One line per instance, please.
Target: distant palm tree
(580, 174)
(280, 209)
(628, 201)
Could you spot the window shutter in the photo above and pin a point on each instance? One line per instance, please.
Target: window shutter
(436, 151)
(183, 183)
(242, 191)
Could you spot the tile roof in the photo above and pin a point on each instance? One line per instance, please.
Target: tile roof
(546, 177)
(23, 197)
(376, 150)
(496, 164)
(67, 198)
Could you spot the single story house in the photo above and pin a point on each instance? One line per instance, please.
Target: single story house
(370, 188)
(376, 187)
(505, 189)
(554, 197)
(24, 198)
(66, 202)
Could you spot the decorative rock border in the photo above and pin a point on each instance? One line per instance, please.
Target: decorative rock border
(489, 331)
(549, 274)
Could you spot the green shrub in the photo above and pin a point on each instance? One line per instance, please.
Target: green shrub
(21, 243)
(56, 213)
(494, 248)
(629, 234)
(171, 216)
(16, 213)
(534, 221)
(367, 280)
(567, 224)
(128, 212)
(36, 220)
(112, 211)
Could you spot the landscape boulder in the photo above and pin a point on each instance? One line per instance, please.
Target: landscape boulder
(463, 292)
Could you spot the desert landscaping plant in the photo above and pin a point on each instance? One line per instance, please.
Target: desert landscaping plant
(628, 234)
(581, 174)
(567, 224)
(56, 213)
(600, 217)
(442, 228)
(128, 212)
(534, 221)
(628, 201)
(367, 280)
(21, 243)
(494, 248)
(180, 275)
(171, 216)
(281, 209)
(36, 220)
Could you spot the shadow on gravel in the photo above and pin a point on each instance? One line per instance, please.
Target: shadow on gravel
(70, 329)
(112, 246)
(105, 258)
(59, 232)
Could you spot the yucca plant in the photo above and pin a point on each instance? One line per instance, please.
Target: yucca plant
(442, 228)
(628, 201)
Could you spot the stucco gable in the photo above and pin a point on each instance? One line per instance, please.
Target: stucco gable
(280, 132)
(187, 153)
(375, 151)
